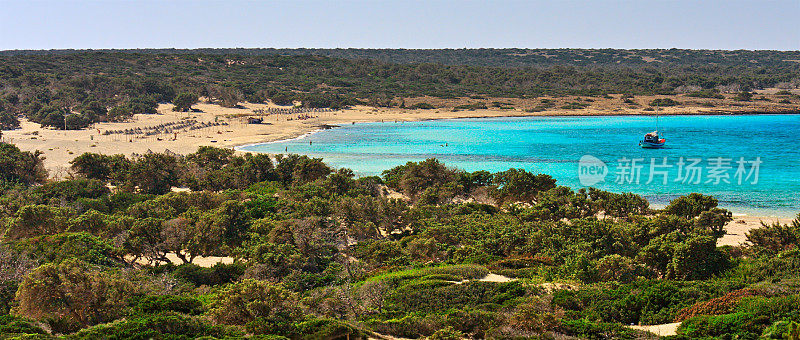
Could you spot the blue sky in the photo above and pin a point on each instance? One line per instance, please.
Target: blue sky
(698, 24)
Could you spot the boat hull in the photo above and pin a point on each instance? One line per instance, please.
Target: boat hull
(652, 145)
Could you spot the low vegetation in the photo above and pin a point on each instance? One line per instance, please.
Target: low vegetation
(315, 252)
(74, 89)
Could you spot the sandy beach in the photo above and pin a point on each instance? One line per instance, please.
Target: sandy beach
(738, 228)
(60, 147)
(231, 130)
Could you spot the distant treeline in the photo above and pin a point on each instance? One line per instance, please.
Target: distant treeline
(501, 57)
(48, 86)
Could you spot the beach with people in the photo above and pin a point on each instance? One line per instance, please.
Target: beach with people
(215, 125)
(208, 124)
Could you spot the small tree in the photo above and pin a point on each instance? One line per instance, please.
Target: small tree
(696, 259)
(100, 167)
(94, 110)
(72, 290)
(184, 101)
(744, 96)
(775, 238)
(21, 166)
(714, 220)
(38, 220)
(518, 185)
(249, 300)
(154, 173)
(119, 113)
(690, 206)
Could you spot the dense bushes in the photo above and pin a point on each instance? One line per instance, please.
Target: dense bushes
(691, 205)
(775, 238)
(168, 303)
(20, 166)
(8, 119)
(664, 102)
(158, 326)
(10, 325)
(518, 185)
(72, 291)
(750, 320)
(641, 302)
(722, 305)
(319, 253)
(216, 275)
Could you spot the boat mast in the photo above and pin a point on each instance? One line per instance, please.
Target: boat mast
(658, 132)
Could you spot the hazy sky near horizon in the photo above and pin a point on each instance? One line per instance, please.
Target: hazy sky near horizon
(696, 24)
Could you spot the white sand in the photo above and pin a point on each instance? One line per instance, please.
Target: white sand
(202, 261)
(738, 228)
(496, 278)
(666, 329)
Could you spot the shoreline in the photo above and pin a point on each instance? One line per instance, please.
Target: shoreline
(59, 147)
(305, 135)
(751, 216)
(319, 128)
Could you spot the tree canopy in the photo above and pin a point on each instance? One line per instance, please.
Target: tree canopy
(315, 252)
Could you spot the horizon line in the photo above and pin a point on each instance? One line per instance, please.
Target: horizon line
(388, 48)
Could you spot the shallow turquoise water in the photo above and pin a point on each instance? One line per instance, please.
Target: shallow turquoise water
(554, 145)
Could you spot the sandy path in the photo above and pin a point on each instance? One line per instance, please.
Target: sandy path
(496, 278)
(202, 261)
(666, 329)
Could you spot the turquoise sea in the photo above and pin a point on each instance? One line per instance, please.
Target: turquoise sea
(749, 162)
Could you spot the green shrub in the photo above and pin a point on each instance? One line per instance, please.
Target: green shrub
(575, 106)
(474, 106)
(784, 329)
(10, 324)
(447, 333)
(664, 102)
(159, 326)
(736, 325)
(422, 106)
(463, 272)
(218, 274)
(691, 206)
(752, 317)
(66, 246)
(411, 325)
(597, 330)
(722, 305)
(322, 329)
(744, 96)
(433, 296)
(154, 304)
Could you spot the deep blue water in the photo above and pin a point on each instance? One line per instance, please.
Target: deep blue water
(554, 146)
